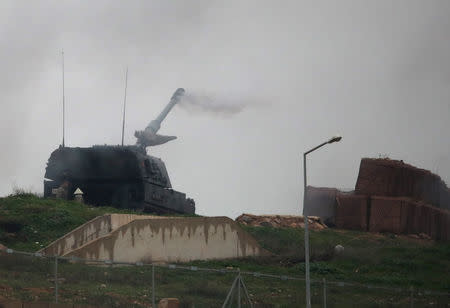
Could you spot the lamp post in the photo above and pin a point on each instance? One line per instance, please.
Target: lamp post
(305, 218)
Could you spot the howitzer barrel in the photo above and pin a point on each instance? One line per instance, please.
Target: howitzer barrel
(155, 125)
(149, 136)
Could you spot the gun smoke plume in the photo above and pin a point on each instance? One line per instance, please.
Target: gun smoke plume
(221, 105)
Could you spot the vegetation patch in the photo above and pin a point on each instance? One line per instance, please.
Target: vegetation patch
(28, 222)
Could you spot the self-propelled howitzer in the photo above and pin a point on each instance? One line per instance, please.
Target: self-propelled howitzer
(119, 176)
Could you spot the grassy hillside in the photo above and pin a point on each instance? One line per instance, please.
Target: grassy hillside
(380, 259)
(28, 223)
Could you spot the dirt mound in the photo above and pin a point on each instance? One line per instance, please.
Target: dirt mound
(281, 221)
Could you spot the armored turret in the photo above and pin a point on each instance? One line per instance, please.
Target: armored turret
(119, 176)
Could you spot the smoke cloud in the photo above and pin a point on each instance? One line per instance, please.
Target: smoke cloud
(215, 104)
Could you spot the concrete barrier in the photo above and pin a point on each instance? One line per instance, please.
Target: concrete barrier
(92, 229)
(351, 212)
(89, 231)
(393, 178)
(169, 239)
(386, 215)
(407, 216)
(321, 202)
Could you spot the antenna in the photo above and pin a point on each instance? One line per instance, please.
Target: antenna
(124, 104)
(63, 101)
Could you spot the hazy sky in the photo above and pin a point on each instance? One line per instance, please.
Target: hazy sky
(377, 72)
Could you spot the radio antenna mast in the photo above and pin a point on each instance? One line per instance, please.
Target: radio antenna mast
(124, 104)
(63, 101)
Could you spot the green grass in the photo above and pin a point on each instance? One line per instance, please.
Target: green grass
(368, 259)
(29, 223)
(32, 279)
(374, 259)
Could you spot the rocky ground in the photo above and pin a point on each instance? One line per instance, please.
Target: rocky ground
(281, 221)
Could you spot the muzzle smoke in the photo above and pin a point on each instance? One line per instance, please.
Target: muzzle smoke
(221, 105)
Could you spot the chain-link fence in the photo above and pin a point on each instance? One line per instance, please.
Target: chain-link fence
(33, 277)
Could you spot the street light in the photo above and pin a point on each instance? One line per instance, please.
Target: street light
(305, 218)
(335, 139)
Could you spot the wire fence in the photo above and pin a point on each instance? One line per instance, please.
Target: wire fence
(105, 283)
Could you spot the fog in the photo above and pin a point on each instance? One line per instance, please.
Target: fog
(274, 79)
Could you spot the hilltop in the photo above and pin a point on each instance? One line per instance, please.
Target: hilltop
(29, 223)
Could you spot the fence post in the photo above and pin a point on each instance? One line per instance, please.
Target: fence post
(236, 280)
(411, 298)
(153, 287)
(239, 288)
(324, 293)
(246, 293)
(56, 279)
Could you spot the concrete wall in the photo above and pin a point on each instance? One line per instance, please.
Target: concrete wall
(172, 240)
(393, 178)
(351, 212)
(119, 220)
(388, 215)
(321, 201)
(407, 216)
(392, 214)
(93, 229)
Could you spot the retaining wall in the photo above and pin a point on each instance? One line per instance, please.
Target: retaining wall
(89, 231)
(93, 229)
(172, 240)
